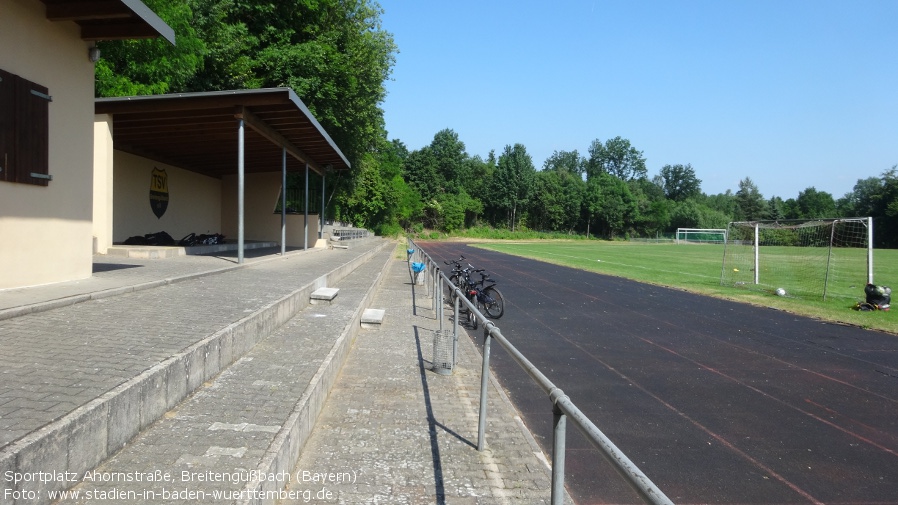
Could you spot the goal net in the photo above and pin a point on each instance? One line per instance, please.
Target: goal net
(812, 259)
(701, 235)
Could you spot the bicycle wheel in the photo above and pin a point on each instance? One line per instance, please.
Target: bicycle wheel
(496, 307)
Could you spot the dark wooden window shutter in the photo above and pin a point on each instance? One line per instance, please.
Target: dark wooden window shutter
(24, 131)
(7, 126)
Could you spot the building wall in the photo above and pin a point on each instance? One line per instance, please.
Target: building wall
(46, 232)
(194, 200)
(103, 183)
(260, 197)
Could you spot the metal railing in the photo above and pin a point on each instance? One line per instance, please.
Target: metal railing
(349, 233)
(563, 409)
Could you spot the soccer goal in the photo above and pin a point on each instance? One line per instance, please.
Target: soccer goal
(701, 235)
(812, 259)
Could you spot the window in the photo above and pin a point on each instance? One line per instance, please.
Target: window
(24, 131)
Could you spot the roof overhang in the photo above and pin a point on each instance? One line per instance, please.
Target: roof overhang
(110, 19)
(198, 131)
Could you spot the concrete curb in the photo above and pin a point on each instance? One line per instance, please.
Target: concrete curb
(284, 451)
(80, 440)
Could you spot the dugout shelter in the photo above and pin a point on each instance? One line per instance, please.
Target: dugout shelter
(209, 162)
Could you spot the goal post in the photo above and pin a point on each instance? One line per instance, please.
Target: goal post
(811, 258)
(701, 236)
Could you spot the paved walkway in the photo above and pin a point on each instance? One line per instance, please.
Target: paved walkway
(393, 431)
(405, 434)
(78, 380)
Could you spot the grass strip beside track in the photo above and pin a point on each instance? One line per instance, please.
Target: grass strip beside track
(697, 268)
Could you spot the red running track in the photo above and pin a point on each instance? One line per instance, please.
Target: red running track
(717, 402)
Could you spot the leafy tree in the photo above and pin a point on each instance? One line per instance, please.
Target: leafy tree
(861, 201)
(478, 174)
(610, 204)
(448, 211)
(557, 197)
(452, 211)
(725, 203)
(679, 182)
(814, 204)
(333, 54)
(653, 208)
(151, 66)
(367, 198)
(615, 157)
(776, 208)
(569, 162)
(402, 204)
(750, 201)
(790, 209)
(546, 209)
(450, 156)
(693, 214)
(421, 171)
(512, 183)
(879, 200)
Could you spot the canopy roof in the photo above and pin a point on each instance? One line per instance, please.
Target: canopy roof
(198, 131)
(110, 19)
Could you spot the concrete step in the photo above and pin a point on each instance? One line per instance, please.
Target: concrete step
(79, 382)
(373, 318)
(160, 252)
(241, 433)
(323, 295)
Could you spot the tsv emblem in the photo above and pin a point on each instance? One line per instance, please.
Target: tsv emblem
(159, 192)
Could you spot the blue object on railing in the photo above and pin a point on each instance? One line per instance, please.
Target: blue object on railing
(410, 252)
(417, 267)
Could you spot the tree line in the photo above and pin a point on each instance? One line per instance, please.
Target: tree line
(605, 193)
(337, 57)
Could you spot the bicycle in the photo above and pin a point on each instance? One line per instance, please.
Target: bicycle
(486, 297)
(458, 277)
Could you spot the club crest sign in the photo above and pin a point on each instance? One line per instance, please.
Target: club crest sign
(159, 192)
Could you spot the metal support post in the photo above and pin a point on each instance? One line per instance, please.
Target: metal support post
(558, 450)
(455, 332)
(240, 190)
(484, 383)
(321, 217)
(757, 252)
(869, 250)
(440, 295)
(305, 226)
(436, 285)
(283, 201)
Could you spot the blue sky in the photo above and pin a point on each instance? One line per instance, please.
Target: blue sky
(791, 93)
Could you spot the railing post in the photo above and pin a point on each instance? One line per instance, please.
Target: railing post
(558, 452)
(435, 275)
(440, 295)
(484, 382)
(455, 329)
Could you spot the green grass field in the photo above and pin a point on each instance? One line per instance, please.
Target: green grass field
(698, 268)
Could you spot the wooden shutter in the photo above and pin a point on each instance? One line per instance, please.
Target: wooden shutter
(7, 126)
(33, 128)
(24, 130)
